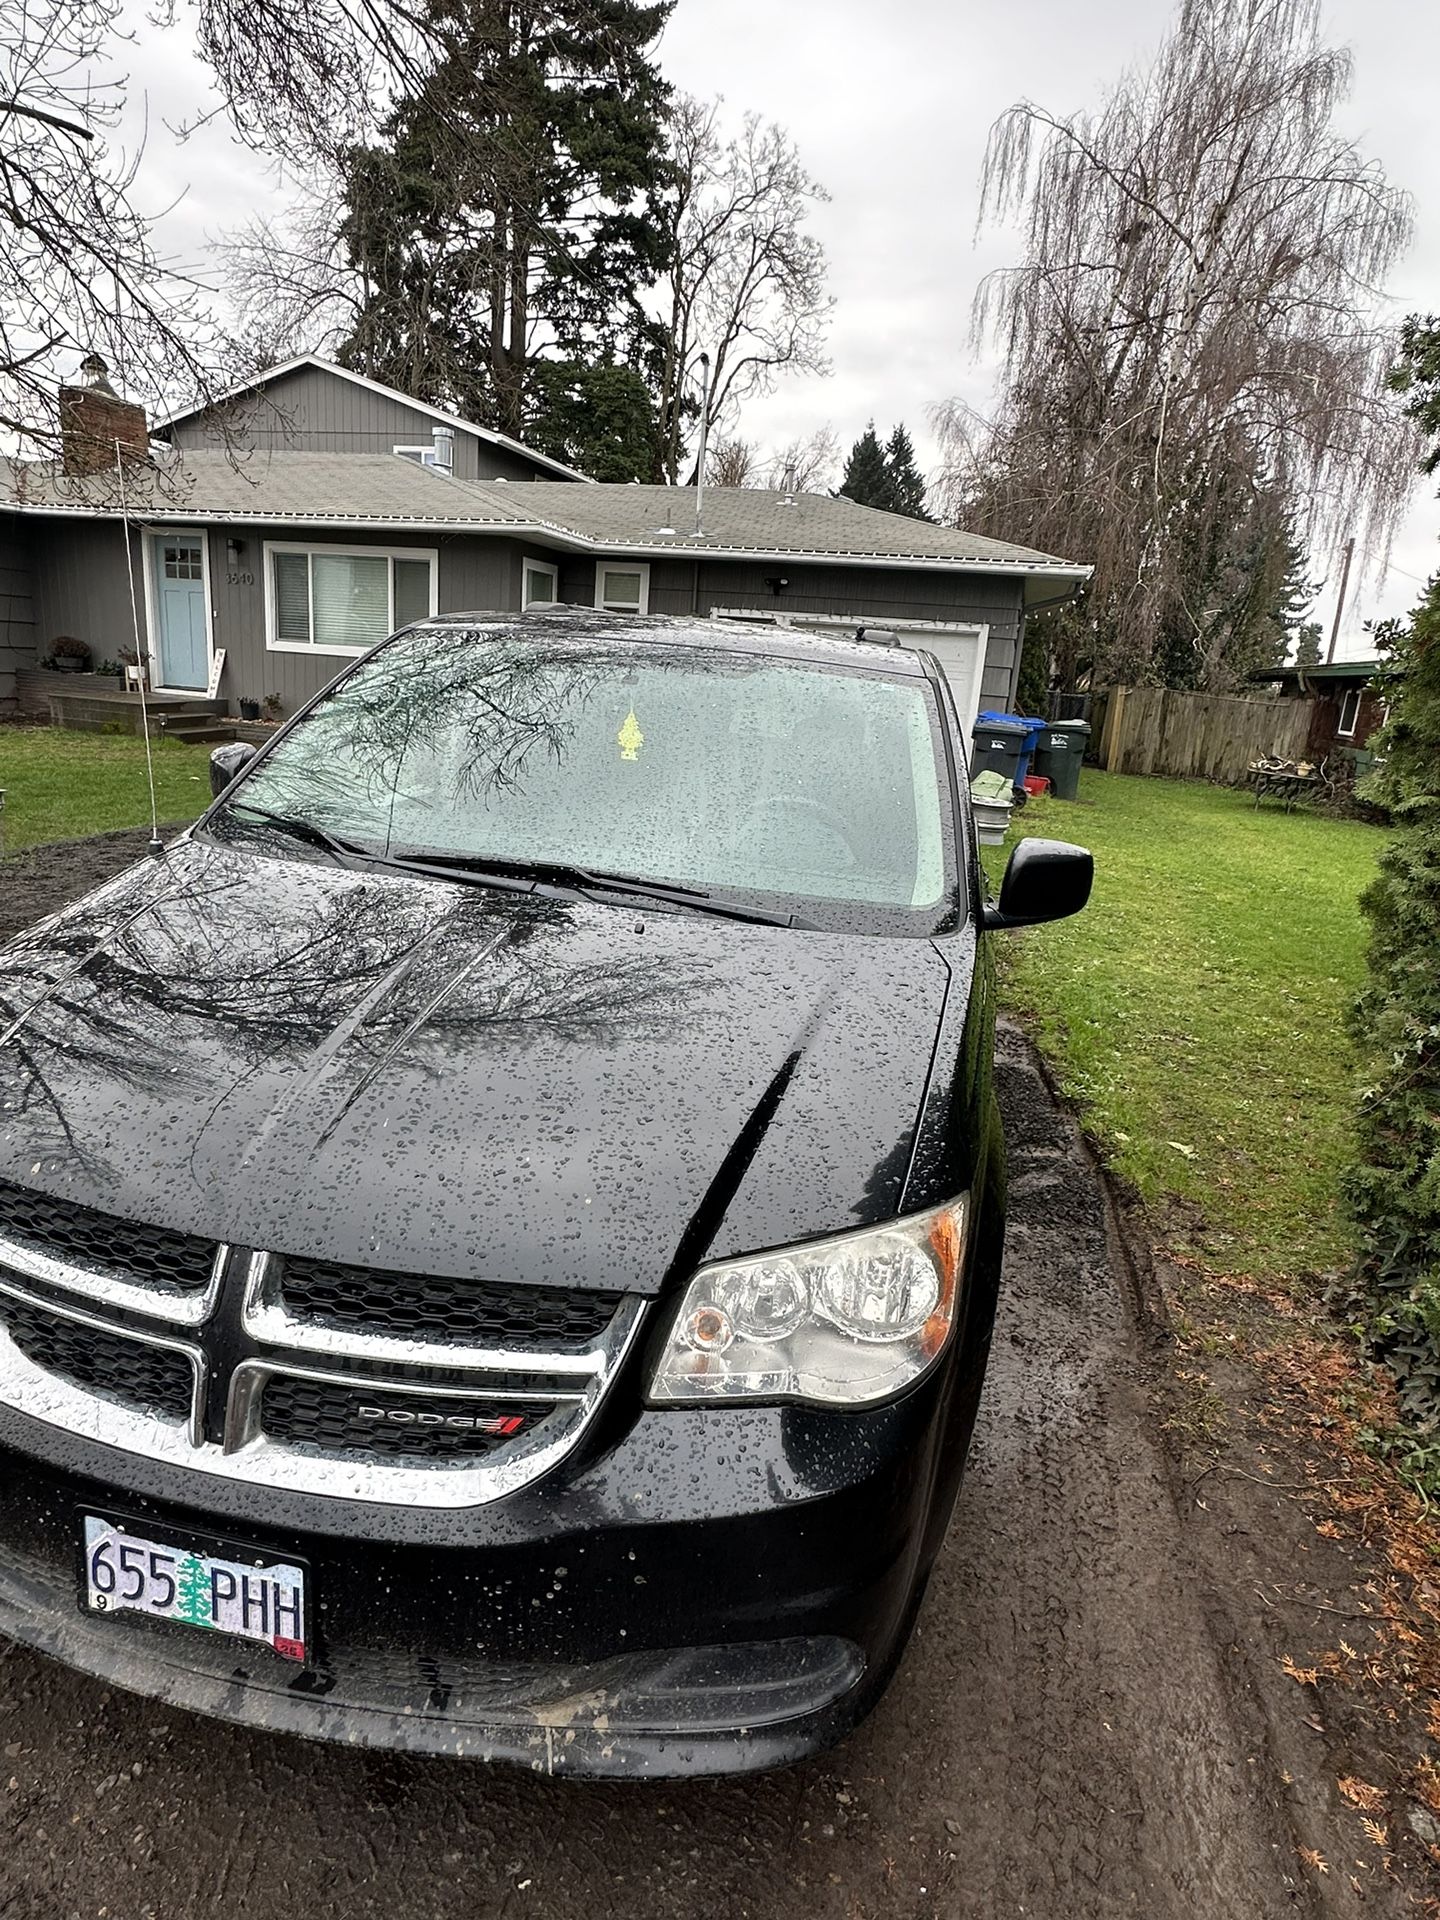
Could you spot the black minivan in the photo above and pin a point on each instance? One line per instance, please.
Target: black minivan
(500, 1222)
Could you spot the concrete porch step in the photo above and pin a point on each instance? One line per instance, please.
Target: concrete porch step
(200, 732)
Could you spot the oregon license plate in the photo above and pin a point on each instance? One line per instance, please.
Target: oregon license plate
(200, 1584)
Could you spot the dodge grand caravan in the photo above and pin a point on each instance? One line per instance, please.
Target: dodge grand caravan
(500, 1222)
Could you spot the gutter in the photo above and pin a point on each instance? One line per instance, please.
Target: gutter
(164, 514)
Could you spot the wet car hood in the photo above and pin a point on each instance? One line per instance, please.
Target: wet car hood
(389, 1070)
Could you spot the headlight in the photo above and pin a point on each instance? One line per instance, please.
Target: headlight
(842, 1322)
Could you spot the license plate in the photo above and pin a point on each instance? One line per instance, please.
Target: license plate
(200, 1584)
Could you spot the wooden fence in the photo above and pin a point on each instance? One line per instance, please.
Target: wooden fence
(1197, 736)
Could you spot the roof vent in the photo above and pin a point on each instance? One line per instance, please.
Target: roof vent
(444, 441)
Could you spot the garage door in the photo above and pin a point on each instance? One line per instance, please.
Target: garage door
(959, 650)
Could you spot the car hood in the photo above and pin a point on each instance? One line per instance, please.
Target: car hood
(391, 1070)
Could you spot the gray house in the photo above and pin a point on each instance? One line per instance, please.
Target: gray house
(296, 524)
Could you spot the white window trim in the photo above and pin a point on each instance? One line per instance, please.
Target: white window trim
(642, 567)
(325, 548)
(148, 537)
(527, 565)
(1342, 732)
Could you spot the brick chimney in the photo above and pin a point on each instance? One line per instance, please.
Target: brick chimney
(93, 417)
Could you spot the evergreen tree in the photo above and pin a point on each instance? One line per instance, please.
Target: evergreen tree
(1395, 1190)
(600, 418)
(1418, 378)
(868, 481)
(1307, 645)
(885, 476)
(907, 484)
(511, 208)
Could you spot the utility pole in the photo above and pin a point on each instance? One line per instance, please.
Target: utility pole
(1340, 600)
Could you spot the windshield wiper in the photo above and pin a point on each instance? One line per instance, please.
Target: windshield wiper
(559, 873)
(305, 830)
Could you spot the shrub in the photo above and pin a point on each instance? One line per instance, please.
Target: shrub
(1394, 1188)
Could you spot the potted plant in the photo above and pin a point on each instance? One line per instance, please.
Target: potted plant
(69, 655)
(249, 709)
(274, 707)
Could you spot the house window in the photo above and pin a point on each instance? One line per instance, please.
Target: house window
(1349, 713)
(184, 562)
(344, 599)
(621, 589)
(542, 584)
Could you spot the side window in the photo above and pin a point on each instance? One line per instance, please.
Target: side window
(1349, 713)
(622, 589)
(541, 584)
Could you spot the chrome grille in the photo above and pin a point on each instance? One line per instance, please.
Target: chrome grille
(499, 1386)
(429, 1307)
(136, 1373)
(147, 1256)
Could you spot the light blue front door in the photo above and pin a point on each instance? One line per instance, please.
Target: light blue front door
(179, 574)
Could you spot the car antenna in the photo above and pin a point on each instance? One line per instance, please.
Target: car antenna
(155, 849)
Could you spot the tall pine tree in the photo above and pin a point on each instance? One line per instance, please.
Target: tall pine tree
(907, 484)
(509, 213)
(867, 473)
(885, 476)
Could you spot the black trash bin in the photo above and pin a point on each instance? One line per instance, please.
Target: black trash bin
(1001, 746)
(1058, 754)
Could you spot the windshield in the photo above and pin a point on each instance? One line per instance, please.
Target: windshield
(762, 779)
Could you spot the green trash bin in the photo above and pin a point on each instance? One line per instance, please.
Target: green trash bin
(1058, 754)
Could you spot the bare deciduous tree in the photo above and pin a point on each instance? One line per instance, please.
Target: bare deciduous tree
(79, 271)
(733, 463)
(806, 464)
(746, 282)
(1193, 359)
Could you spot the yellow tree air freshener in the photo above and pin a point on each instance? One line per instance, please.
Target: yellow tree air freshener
(630, 737)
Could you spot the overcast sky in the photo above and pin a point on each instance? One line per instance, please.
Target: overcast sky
(890, 105)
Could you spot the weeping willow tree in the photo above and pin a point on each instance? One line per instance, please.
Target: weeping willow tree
(1194, 374)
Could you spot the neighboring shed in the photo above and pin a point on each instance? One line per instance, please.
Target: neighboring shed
(1345, 708)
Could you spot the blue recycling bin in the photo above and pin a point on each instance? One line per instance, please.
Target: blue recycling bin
(1005, 742)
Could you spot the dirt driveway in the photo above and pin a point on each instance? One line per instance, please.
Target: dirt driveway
(1073, 1733)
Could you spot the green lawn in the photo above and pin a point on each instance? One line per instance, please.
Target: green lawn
(61, 785)
(1195, 1009)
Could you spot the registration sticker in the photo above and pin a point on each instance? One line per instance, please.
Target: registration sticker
(251, 1599)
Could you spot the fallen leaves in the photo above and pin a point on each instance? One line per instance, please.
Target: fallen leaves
(1377, 1833)
(1427, 1784)
(1307, 1676)
(1360, 1794)
(1313, 1859)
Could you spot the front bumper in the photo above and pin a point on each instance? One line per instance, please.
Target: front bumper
(723, 1590)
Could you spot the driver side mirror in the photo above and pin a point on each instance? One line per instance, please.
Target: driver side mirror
(1045, 880)
(225, 763)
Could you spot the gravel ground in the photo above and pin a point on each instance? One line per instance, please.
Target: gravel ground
(1075, 1732)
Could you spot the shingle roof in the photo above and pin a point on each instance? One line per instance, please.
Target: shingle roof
(382, 490)
(749, 520)
(311, 487)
